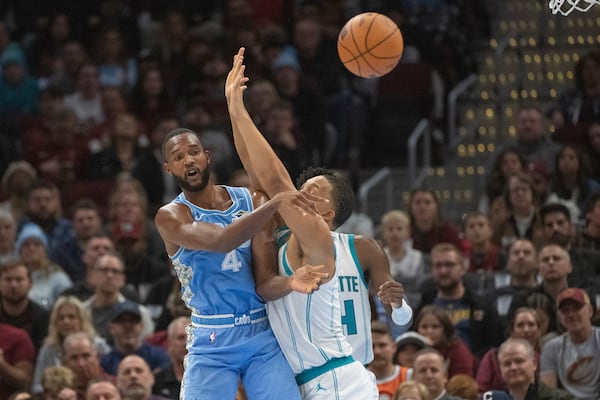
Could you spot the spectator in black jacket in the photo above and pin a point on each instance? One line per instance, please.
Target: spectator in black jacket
(475, 319)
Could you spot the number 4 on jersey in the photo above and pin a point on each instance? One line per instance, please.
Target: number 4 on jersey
(349, 318)
(231, 262)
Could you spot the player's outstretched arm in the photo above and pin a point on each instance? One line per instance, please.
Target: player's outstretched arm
(177, 227)
(268, 172)
(391, 293)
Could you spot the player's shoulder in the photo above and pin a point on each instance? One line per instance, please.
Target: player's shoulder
(171, 211)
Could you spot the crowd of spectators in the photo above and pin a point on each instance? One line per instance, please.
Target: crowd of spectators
(89, 306)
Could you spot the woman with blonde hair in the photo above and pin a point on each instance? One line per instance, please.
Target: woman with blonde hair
(525, 324)
(67, 316)
(412, 390)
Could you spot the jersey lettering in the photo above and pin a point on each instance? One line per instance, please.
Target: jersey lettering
(231, 262)
(348, 284)
(349, 318)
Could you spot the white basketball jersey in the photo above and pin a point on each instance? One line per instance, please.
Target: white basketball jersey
(308, 327)
(354, 298)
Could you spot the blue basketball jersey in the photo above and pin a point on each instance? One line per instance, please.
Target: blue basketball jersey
(218, 284)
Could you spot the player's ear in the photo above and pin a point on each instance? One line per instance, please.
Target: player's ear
(208, 156)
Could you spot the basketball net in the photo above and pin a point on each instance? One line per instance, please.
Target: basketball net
(566, 6)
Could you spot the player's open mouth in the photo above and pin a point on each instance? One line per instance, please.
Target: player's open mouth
(192, 172)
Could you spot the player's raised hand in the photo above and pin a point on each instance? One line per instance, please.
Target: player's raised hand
(307, 278)
(391, 292)
(236, 80)
(302, 202)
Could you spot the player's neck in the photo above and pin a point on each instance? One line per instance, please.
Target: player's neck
(211, 198)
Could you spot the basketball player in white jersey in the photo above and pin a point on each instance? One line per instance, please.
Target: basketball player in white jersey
(309, 328)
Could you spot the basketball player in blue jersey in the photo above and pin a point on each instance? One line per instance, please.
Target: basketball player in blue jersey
(206, 230)
(309, 328)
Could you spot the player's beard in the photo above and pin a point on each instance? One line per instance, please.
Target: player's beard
(184, 185)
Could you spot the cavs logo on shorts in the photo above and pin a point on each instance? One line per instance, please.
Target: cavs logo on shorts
(242, 320)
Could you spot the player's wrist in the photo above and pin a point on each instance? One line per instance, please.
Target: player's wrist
(402, 315)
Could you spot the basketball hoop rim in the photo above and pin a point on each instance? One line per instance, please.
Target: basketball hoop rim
(556, 6)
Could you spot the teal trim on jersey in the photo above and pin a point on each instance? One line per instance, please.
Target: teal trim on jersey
(282, 234)
(310, 374)
(355, 257)
(286, 266)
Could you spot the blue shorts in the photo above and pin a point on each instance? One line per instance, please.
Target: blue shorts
(218, 358)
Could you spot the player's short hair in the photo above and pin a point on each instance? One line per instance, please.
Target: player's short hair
(342, 193)
(175, 132)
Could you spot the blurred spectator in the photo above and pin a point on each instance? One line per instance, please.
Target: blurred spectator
(546, 311)
(79, 354)
(557, 225)
(16, 180)
(474, 318)
(555, 265)
(507, 163)
(66, 74)
(16, 308)
(407, 346)
(570, 361)
(58, 383)
(239, 178)
(540, 178)
(18, 92)
(590, 236)
(196, 53)
(87, 223)
(522, 268)
(388, 374)
(427, 224)
(433, 322)
(38, 127)
(109, 279)
(60, 156)
(172, 42)
(518, 366)
(135, 379)
(44, 209)
(431, 371)
(46, 48)
(142, 268)
(309, 103)
(115, 67)
(7, 45)
(128, 204)
(8, 235)
(113, 106)
(406, 264)
(482, 253)
(462, 386)
(524, 325)
(17, 361)
(198, 118)
(581, 103)
(571, 184)
(68, 316)
(168, 377)
(126, 154)
(170, 308)
(126, 329)
(592, 149)
(102, 390)
(523, 221)
(532, 140)
(260, 98)
(412, 390)
(96, 246)
(150, 97)
(49, 279)
(167, 186)
(86, 100)
(279, 128)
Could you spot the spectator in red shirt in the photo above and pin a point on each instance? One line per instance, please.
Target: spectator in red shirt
(428, 227)
(17, 356)
(434, 323)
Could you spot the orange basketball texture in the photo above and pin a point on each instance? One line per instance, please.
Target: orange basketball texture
(370, 45)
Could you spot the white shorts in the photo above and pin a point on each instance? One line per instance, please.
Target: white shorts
(348, 382)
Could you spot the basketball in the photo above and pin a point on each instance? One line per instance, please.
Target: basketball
(370, 45)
